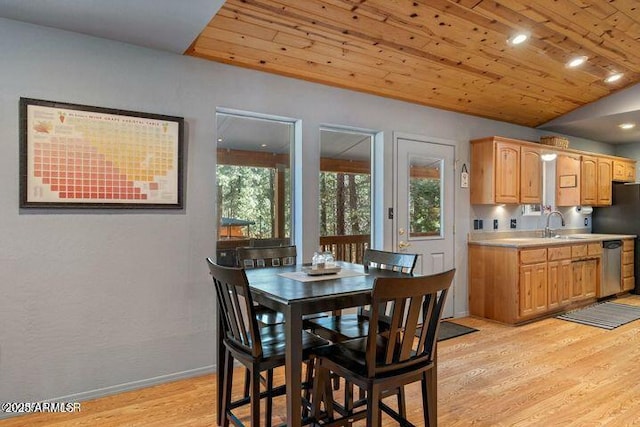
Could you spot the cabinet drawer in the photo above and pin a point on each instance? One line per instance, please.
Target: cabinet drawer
(594, 248)
(627, 270)
(627, 245)
(530, 256)
(578, 251)
(562, 252)
(627, 257)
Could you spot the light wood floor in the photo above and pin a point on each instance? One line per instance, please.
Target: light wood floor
(548, 373)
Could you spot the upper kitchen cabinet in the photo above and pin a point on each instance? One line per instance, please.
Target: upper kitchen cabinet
(503, 171)
(624, 171)
(568, 173)
(595, 184)
(530, 175)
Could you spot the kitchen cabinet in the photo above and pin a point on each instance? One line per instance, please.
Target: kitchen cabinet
(506, 171)
(530, 175)
(595, 181)
(588, 181)
(624, 171)
(568, 173)
(509, 171)
(560, 273)
(628, 272)
(604, 177)
(514, 285)
(533, 282)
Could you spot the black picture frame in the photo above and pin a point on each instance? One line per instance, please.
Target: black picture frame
(80, 156)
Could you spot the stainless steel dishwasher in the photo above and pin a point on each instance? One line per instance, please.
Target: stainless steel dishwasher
(611, 267)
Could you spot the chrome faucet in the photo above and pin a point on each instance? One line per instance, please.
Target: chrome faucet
(547, 230)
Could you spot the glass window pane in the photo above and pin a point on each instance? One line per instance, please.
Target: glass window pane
(345, 193)
(425, 197)
(254, 182)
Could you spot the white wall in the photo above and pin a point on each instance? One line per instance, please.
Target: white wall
(95, 301)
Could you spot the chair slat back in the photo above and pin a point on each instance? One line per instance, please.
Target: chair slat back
(236, 308)
(259, 257)
(394, 261)
(414, 302)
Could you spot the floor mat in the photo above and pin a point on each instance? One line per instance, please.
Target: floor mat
(449, 330)
(606, 315)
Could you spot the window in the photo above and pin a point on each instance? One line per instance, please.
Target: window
(254, 181)
(345, 193)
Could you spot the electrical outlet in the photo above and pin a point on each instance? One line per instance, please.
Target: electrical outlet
(495, 224)
(476, 225)
(586, 222)
(480, 224)
(514, 223)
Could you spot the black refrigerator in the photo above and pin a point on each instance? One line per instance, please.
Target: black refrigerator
(622, 217)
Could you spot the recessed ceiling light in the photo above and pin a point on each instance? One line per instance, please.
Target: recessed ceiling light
(627, 125)
(613, 78)
(577, 61)
(518, 39)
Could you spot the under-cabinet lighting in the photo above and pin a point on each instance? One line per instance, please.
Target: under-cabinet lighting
(518, 39)
(613, 78)
(219, 139)
(263, 145)
(577, 61)
(627, 126)
(547, 157)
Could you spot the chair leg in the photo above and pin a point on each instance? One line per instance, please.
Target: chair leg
(247, 382)
(322, 392)
(268, 412)
(373, 406)
(308, 378)
(255, 396)
(402, 407)
(226, 389)
(429, 399)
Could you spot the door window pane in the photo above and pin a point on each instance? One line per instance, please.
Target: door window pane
(425, 197)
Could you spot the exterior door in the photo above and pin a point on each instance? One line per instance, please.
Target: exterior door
(424, 208)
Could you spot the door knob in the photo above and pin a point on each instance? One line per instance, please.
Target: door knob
(403, 245)
(401, 231)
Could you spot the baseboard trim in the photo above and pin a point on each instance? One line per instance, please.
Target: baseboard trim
(121, 388)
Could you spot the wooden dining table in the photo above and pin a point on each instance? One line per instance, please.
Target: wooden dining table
(282, 289)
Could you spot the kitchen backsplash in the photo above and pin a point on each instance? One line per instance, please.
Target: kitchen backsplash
(506, 214)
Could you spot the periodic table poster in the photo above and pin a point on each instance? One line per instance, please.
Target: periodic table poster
(81, 156)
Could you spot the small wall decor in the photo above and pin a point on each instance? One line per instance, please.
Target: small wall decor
(78, 156)
(568, 181)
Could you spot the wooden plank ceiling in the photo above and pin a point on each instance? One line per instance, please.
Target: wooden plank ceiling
(447, 54)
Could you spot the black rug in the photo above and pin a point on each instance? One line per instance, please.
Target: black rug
(607, 315)
(450, 330)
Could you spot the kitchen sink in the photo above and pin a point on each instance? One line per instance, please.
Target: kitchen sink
(568, 237)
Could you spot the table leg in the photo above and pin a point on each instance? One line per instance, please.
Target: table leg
(293, 366)
(219, 367)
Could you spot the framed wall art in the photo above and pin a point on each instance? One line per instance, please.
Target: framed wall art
(78, 156)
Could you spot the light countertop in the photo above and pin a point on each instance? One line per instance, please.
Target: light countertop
(530, 241)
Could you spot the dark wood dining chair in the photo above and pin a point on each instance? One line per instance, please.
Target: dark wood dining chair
(262, 257)
(402, 353)
(259, 349)
(341, 327)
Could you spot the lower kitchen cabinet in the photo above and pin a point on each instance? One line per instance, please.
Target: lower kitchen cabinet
(515, 285)
(628, 277)
(559, 283)
(533, 289)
